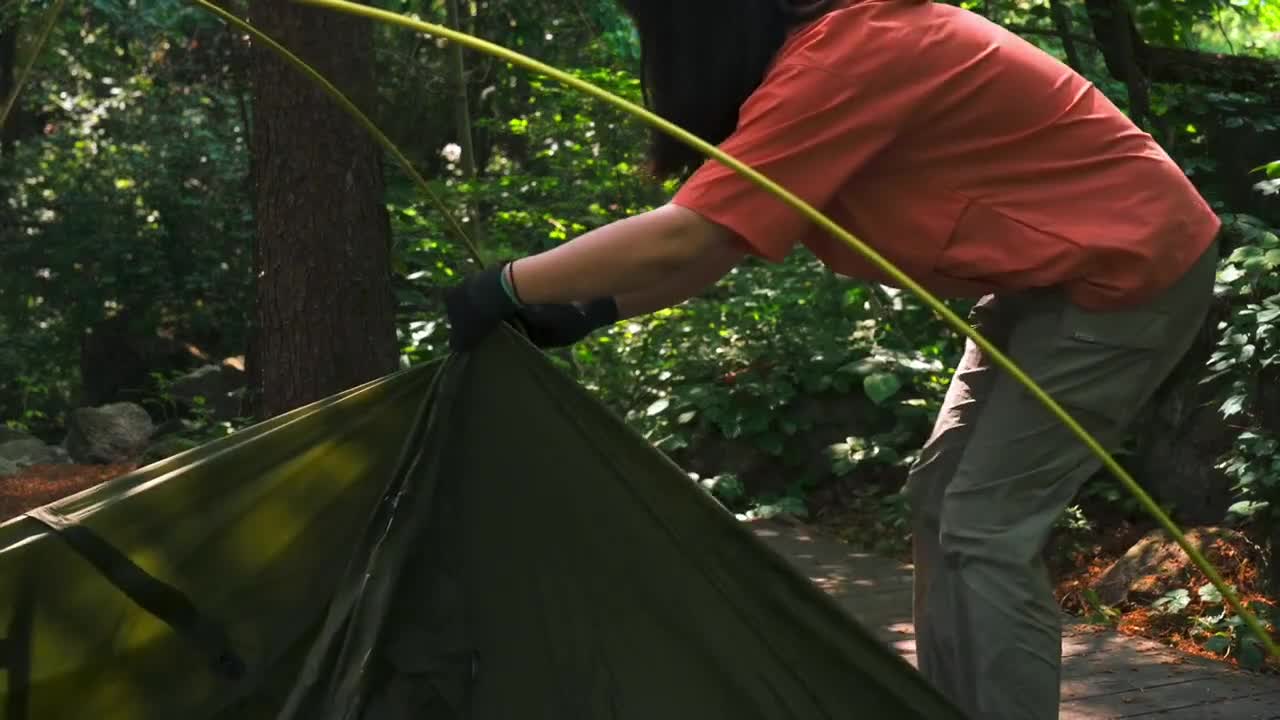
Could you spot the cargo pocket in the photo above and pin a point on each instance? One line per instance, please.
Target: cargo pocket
(1106, 363)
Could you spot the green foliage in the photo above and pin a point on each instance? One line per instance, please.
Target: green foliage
(134, 197)
(131, 201)
(735, 363)
(1270, 185)
(1247, 360)
(191, 427)
(1103, 491)
(1099, 613)
(560, 167)
(1205, 617)
(577, 167)
(1223, 632)
(1172, 602)
(1210, 622)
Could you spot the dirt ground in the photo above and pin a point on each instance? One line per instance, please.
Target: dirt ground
(42, 484)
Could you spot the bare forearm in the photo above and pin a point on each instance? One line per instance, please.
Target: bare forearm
(677, 288)
(632, 257)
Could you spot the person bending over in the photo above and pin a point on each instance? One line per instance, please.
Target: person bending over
(981, 166)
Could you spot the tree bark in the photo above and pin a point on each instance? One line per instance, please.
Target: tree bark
(1233, 73)
(8, 126)
(1121, 48)
(1180, 436)
(462, 119)
(461, 102)
(8, 76)
(1124, 50)
(324, 316)
(1062, 24)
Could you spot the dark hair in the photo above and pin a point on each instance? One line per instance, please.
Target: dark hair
(702, 59)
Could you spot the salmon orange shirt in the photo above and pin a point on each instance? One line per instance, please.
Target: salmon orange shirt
(972, 159)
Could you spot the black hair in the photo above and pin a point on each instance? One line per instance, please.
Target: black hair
(702, 59)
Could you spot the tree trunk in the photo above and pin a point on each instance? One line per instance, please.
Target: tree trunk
(324, 318)
(1234, 73)
(462, 119)
(461, 102)
(1062, 24)
(8, 76)
(1180, 436)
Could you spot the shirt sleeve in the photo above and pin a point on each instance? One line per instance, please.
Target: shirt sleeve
(809, 129)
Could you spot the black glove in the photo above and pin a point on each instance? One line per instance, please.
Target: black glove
(476, 307)
(559, 325)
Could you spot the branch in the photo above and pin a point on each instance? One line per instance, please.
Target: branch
(1123, 48)
(1232, 73)
(1062, 24)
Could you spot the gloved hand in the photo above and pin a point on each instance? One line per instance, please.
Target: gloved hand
(559, 325)
(477, 306)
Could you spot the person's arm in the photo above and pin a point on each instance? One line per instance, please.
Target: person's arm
(654, 257)
(682, 286)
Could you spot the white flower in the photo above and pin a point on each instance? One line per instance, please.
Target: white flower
(452, 152)
(1268, 187)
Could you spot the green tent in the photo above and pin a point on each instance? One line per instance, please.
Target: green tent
(477, 538)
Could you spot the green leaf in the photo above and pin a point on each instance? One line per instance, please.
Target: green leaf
(789, 505)
(657, 407)
(865, 366)
(1233, 405)
(1247, 508)
(1262, 610)
(1230, 273)
(1209, 594)
(881, 386)
(727, 487)
(1251, 656)
(1245, 253)
(1219, 643)
(793, 505)
(1272, 169)
(1173, 602)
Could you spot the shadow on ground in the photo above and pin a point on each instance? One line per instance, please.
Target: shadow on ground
(1105, 674)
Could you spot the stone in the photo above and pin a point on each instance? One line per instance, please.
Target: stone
(1156, 564)
(28, 451)
(8, 434)
(219, 386)
(114, 433)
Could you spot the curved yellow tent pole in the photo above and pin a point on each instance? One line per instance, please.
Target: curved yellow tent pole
(844, 236)
(355, 112)
(31, 62)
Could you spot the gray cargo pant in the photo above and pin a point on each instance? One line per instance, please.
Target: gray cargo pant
(998, 471)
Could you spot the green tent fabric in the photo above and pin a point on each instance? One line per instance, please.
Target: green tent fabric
(475, 539)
